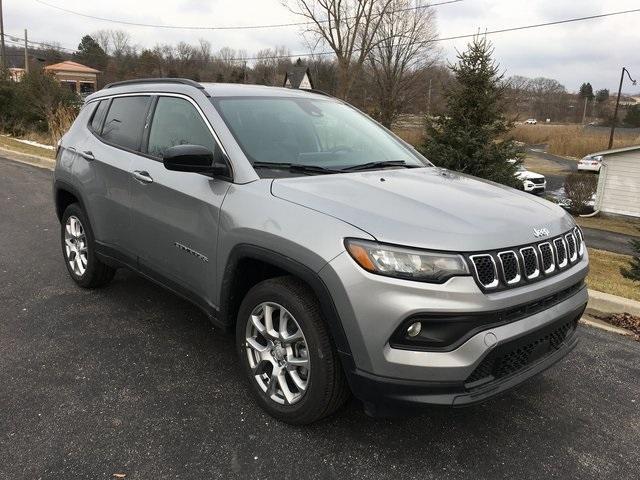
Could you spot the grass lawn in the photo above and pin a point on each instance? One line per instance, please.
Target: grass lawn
(11, 144)
(605, 276)
(628, 226)
(543, 166)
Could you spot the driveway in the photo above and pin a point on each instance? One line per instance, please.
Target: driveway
(131, 379)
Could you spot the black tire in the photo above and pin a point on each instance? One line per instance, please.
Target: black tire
(327, 389)
(96, 274)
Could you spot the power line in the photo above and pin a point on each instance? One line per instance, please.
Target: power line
(228, 27)
(441, 39)
(458, 37)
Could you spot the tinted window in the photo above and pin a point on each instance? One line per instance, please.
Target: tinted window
(98, 115)
(177, 122)
(125, 121)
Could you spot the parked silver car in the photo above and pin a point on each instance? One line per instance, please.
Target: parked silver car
(343, 260)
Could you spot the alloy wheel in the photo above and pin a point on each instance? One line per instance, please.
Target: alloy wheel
(75, 245)
(278, 354)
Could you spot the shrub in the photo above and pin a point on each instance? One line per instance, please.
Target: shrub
(579, 189)
(633, 272)
(60, 120)
(29, 105)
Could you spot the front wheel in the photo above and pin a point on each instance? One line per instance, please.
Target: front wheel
(286, 352)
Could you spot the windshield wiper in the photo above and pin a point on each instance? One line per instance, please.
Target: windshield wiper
(372, 165)
(294, 167)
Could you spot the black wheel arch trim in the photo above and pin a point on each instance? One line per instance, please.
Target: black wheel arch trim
(59, 185)
(298, 269)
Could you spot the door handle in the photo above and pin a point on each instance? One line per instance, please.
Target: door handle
(142, 176)
(88, 155)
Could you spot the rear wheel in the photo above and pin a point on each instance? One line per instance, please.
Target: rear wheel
(78, 249)
(285, 349)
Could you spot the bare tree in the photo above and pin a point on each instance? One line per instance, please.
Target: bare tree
(121, 42)
(404, 46)
(348, 27)
(103, 37)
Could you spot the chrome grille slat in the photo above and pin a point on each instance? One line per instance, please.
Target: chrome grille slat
(485, 268)
(530, 262)
(561, 252)
(572, 250)
(510, 267)
(547, 258)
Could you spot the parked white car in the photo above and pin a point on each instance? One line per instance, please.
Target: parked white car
(530, 121)
(531, 181)
(590, 163)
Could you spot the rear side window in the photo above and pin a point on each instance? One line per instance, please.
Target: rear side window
(98, 116)
(177, 122)
(124, 123)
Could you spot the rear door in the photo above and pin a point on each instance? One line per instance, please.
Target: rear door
(106, 156)
(175, 215)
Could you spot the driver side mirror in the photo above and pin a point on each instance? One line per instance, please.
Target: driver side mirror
(192, 158)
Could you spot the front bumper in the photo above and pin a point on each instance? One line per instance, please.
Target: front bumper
(383, 395)
(534, 187)
(371, 308)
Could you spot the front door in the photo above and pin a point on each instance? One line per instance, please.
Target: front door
(175, 215)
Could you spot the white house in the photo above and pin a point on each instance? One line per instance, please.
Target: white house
(298, 76)
(619, 182)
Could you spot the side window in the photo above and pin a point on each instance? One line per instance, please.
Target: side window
(98, 116)
(124, 123)
(177, 122)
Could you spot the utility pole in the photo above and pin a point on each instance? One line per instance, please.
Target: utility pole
(26, 53)
(3, 51)
(584, 112)
(615, 112)
(429, 100)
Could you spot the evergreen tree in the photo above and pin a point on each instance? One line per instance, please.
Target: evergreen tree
(468, 137)
(632, 118)
(586, 91)
(90, 53)
(602, 95)
(633, 272)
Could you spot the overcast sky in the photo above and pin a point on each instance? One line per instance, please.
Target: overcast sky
(593, 50)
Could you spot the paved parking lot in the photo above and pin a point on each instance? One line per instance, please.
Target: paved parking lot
(131, 379)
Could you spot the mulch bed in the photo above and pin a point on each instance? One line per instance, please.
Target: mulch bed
(626, 321)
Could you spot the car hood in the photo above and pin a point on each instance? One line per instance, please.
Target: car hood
(427, 207)
(527, 175)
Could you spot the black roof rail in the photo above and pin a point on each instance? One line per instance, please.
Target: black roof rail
(315, 90)
(182, 81)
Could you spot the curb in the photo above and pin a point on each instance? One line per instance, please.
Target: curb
(29, 159)
(602, 325)
(602, 303)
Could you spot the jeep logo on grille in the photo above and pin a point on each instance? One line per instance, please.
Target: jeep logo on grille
(540, 232)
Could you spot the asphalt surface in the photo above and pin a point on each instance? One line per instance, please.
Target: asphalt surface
(611, 241)
(554, 182)
(131, 379)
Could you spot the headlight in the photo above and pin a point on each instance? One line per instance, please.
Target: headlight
(406, 263)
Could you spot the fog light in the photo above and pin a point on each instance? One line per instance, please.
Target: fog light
(414, 329)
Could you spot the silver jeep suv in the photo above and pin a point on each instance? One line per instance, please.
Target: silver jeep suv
(344, 261)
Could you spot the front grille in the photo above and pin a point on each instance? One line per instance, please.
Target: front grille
(510, 268)
(537, 181)
(485, 270)
(514, 356)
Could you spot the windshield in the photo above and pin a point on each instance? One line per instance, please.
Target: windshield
(303, 132)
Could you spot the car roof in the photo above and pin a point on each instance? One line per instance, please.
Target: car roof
(215, 90)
